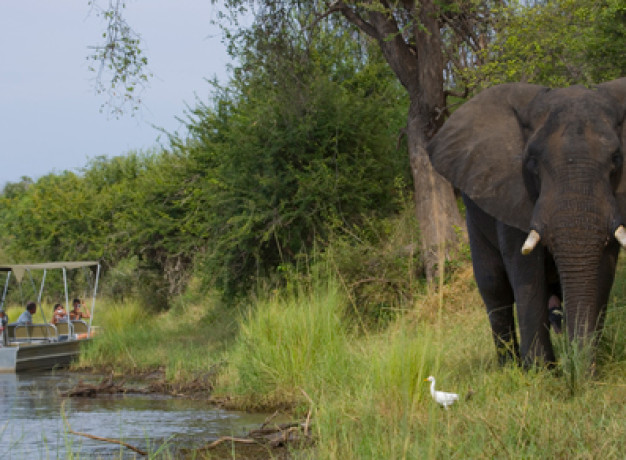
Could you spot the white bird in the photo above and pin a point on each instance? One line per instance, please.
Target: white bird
(441, 397)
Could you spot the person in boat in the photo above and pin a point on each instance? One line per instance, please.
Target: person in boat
(27, 315)
(58, 314)
(76, 313)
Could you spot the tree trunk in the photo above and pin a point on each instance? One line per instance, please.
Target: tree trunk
(436, 208)
(440, 222)
(419, 68)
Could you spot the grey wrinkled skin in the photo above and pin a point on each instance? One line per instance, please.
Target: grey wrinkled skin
(530, 157)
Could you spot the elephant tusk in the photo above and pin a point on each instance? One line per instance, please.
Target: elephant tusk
(620, 235)
(532, 240)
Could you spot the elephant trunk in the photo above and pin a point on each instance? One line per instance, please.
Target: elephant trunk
(579, 283)
(577, 242)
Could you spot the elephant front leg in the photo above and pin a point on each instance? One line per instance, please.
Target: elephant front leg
(503, 332)
(498, 297)
(532, 313)
(530, 286)
(492, 280)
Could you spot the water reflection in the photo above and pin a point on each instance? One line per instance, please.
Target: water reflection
(31, 425)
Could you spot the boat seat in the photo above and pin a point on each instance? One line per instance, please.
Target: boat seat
(11, 331)
(62, 328)
(80, 326)
(34, 332)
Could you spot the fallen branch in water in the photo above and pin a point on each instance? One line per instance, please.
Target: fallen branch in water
(98, 438)
(278, 436)
(113, 441)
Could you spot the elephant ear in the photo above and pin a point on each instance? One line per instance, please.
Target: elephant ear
(616, 90)
(480, 149)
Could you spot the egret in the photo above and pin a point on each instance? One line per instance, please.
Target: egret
(441, 397)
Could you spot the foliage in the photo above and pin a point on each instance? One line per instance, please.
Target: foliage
(285, 153)
(296, 144)
(558, 43)
(120, 65)
(53, 220)
(379, 265)
(297, 150)
(121, 211)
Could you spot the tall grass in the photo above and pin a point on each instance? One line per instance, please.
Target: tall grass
(291, 346)
(510, 412)
(185, 343)
(369, 399)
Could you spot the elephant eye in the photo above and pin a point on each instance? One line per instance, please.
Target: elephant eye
(617, 160)
(532, 164)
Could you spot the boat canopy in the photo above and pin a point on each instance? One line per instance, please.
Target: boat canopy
(19, 269)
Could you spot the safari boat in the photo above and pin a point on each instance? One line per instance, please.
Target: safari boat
(44, 346)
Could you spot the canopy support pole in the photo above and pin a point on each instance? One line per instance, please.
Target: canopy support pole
(4, 293)
(43, 282)
(93, 299)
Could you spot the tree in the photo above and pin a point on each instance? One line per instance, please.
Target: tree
(56, 218)
(127, 210)
(557, 43)
(410, 38)
(300, 142)
(423, 43)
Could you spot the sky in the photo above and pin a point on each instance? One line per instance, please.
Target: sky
(50, 114)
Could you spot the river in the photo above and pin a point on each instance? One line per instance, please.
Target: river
(32, 426)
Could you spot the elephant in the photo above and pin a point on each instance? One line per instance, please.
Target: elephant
(541, 175)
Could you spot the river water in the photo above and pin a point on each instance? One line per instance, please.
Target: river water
(32, 426)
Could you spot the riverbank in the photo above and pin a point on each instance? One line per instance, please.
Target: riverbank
(308, 351)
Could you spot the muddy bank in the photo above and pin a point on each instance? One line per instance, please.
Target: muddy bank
(201, 386)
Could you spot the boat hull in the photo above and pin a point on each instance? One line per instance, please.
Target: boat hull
(40, 356)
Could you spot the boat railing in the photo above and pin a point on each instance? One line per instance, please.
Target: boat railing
(32, 333)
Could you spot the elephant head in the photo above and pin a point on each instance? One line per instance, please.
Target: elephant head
(548, 162)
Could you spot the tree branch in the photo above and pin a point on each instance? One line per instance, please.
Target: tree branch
(353, 17)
